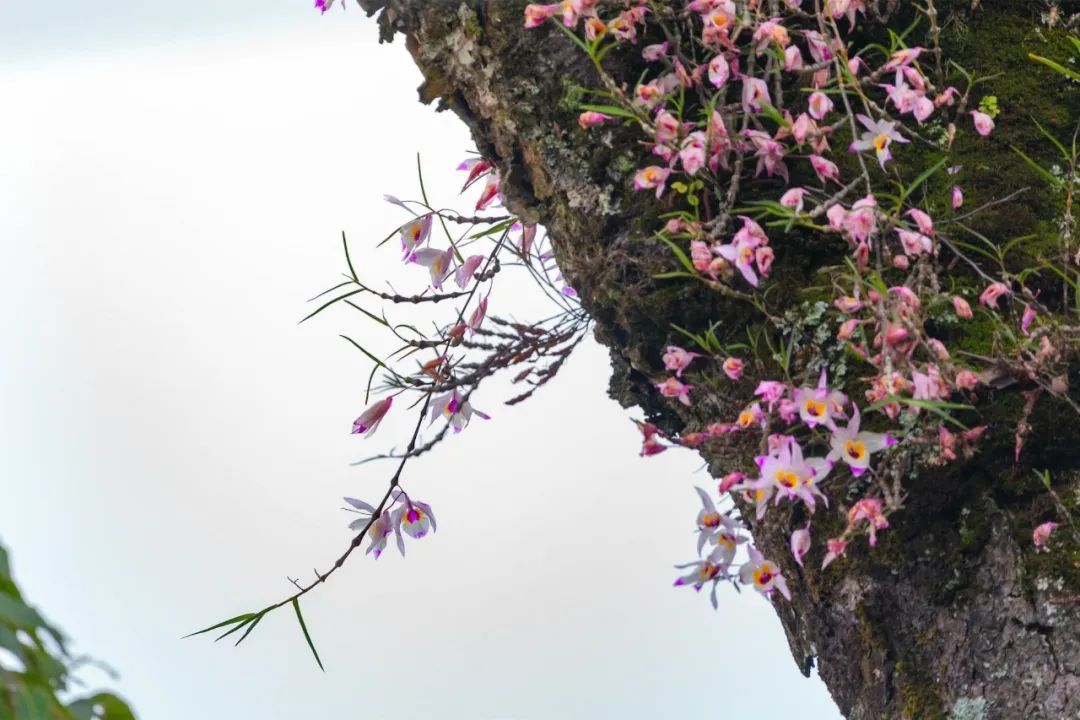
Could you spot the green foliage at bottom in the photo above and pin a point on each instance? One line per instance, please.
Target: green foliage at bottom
(37, 668)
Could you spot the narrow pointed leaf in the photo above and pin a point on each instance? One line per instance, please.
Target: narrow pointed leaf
(223, 623)
(307, 635)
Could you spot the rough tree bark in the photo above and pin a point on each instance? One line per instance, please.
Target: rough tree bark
(953, 614)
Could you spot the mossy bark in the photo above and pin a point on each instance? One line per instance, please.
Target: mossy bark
(953, 614)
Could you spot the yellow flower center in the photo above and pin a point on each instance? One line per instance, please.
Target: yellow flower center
(881, 142)
(855, 450)
(815, 408)
(764, 574)
(786, 478)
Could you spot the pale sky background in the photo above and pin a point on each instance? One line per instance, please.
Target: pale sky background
(173, 181)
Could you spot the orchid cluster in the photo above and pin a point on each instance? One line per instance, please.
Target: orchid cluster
(442, 368)
(470, 348)
(825, 418)
(763, 117)
(401, 515)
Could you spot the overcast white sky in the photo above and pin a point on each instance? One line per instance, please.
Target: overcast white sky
(173, 181)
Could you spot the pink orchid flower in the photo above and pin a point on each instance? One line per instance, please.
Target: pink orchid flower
(667, 127)
(370, 418)
(700, 255)
(793, 59)
(591, 118)
(819, 406)
(820, 105)
(678, 359)
(378, 532)
(490, 193)
(750, 416)
(992, 293)
(1027, 318)
(868, 509)
(826, 169)
(764, 575)
(733, 368)
(915, 243)
(692, 153)
(711, 569)
(862, 221)
(819, 48)
(456, 411)
(650, 443)
(729, 481)
(903, 58)
(464, 274)
(788, 475)
(924, 222)
(755, 95)
(476, 319)
(651, 177)
(414, 518)
(836, 548)
(536, 15)
(967, 380)
(719, 71)
(800, 543)
(415, 233)
(770, 391)
(674, 388)
(438, 262)
(878, 136)
(653, 53)
(957, 197)
(984, 124)
(741, 253)
(794, 199)
(477, 168)
(856, 447)
(717, 528)
(1042, 533)
(962, 308)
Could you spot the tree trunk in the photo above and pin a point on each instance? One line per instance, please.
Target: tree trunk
(953, 614)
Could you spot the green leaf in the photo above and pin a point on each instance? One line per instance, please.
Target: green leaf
(679, 254)
(923, 177)
(673, 274)
(250, 627)
(494, 229)
(573, 36)
(937, 407)
(376, 318)
(32, 702)
(359, 347)
(112, 708)
(307, 635)
(613, 110)
(1046, 174)
(17, 613)
(1071, 74)
(773, 114)
(348, 260)
(1051, 138)
(223, 623)
(329, 303)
